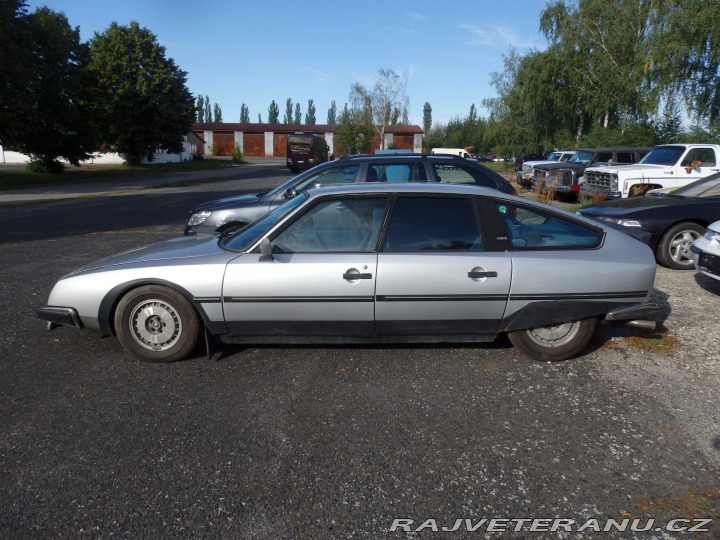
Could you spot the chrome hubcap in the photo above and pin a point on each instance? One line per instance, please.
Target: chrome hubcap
(155, 325)
(680, 247)
(555, 335)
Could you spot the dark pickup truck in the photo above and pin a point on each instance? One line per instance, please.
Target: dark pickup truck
(566, 177)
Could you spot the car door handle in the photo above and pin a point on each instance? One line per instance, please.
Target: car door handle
(352, 275)
(477, 275)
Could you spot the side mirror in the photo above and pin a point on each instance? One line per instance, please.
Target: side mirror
(266, 250)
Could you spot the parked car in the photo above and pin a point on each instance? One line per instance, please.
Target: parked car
(519, 161)
(665, 166)
(233, 213)
(373, 263)
(674, 220)
(706, 251)
(524, 175)
(567, 177)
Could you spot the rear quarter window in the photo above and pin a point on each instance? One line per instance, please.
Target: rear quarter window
(529, 228)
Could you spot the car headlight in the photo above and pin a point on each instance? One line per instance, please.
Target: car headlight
(711, 235)
(621, 221)
(198, 217)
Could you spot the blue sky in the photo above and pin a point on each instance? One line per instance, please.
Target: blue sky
(254, 52)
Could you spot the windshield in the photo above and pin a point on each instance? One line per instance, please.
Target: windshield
(247, 236)
(707, 187)
(555, 156)
(663, 155)
(581, 156)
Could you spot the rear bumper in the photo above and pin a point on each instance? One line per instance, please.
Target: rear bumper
(59, 316)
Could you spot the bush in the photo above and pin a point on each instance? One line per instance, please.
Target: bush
(44, 166)
(238, 155)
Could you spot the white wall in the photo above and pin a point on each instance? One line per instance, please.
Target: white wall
(105, 158)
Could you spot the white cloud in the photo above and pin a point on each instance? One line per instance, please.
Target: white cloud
(492, 35)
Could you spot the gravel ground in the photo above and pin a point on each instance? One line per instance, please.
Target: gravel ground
(685, 375)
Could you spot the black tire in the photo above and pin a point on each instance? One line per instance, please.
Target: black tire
(556, 342)
(673, 251)
(155, 323)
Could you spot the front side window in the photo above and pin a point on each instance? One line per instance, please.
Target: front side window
(433, 224)
(344, 225)
(342, 174)
(528, 228)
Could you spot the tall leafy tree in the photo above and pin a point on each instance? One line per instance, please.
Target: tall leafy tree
(217, 113)
(297, 118)
(687, 53)
(288, 116)
(244, 114)
(16, 67)
(208, 110)
(273, 113)
(332, 114)
(310, 119)
(61, 95)
(200, 109)
(387, 95)
(427, 122)
(355, 133)
(147, 105)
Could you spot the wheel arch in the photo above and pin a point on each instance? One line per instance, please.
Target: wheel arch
(108, 305)
(546, 313)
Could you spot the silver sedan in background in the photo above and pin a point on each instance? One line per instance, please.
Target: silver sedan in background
(374, 263)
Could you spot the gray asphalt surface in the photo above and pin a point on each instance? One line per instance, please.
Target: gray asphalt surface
(309, 442)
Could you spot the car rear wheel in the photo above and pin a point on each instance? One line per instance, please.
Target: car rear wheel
(674, 248)
(555, 342)
(157, 324)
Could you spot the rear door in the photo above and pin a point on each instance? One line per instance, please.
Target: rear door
(434, 276)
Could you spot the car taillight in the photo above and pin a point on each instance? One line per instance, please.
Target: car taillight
(513, 192)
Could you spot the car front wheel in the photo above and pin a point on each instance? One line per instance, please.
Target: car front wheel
(555, 342)
(157, 324)
(674, 248)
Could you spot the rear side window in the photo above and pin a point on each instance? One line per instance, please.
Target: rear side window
(451, 173)
(528, 228)
(396, 172)
(433, 224)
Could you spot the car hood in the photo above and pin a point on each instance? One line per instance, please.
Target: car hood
(185, 247)
(638, 167)
(229, 202)
(623, 207)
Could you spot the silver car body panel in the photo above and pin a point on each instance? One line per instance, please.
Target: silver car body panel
(375, 296)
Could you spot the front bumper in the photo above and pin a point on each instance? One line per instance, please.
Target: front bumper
(705, 262)
(595, 191)
(59, 316)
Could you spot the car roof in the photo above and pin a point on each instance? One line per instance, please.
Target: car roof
(411, 187)
(400, 157)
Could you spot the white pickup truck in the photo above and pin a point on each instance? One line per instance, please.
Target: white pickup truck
(665, 166)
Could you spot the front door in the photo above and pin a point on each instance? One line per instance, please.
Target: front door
(321, 279)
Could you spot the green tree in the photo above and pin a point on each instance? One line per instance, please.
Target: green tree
(147, 105)
(297, 118)
(260, 118)
(427, 123)
(332, 114)
(387, 95)
(16, 67)
(200, 109)
(62, 94)
(244, 114)
(208, 110)
(687, 54)
(287, 117)
(310, 115)
(273, 113)
(217, 113)
(355, 133)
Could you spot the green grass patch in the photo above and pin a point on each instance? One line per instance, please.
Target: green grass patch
(15, 178)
